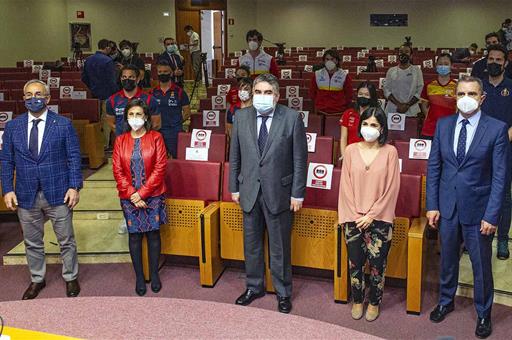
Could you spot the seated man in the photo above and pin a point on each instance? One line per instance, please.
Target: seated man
(463, 55)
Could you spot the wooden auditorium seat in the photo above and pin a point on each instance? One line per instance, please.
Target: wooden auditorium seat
(323, 150)
(193, 192)
(196, 121)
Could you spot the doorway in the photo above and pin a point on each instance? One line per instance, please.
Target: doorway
(208, 20)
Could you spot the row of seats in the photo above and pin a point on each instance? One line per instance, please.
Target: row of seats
(205, 223)
(25, 76)
(87, 109)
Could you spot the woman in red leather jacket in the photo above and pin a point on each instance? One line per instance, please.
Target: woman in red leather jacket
(139, 163)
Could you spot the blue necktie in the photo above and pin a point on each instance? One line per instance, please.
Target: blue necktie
(33, 139)
(262, 137)
(461, 144)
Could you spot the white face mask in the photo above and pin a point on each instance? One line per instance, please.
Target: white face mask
(330, 65)
(369, 133)
(126, 52)
(263, 103)
(189, 33)
(253, 45)
(136, 123)
(467, 104)
(244, 95)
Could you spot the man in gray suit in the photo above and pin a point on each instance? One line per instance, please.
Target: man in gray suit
(268, 161)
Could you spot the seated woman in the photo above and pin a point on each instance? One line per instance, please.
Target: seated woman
(245, 100)
(349, 122)
(369, 185)
(139, 163)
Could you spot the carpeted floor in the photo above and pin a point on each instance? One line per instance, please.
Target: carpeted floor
(312, 296)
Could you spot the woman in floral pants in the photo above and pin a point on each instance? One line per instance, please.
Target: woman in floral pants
(369, 185)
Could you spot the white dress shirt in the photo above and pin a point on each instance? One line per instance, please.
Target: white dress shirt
(259, 119)
(40, 129)
(470, 130)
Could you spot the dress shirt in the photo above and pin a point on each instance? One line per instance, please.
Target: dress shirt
(40, 129)
(470, 129)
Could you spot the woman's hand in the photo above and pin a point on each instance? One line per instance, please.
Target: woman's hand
(141, 204)
(364, 222)
(135, 197)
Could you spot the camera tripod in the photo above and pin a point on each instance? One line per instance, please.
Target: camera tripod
(197, 78)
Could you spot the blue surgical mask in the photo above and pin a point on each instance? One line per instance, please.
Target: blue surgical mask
(263, 103)
(443, 70)
(171, 48)
(35, 104)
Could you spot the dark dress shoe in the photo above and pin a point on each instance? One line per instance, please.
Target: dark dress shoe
(156, 286)
(247, 297)
(72, 288)
(33, 290)
(284, 304)
(140, 288)
(483, 328)
(440, 312)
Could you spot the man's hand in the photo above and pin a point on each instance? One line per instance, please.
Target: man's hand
(402, 108)
(364, 222)
(433, 218)
(72, 197)
(11, 201)
(235, 197)
(135, 197)
(486, 228)
(295, 205)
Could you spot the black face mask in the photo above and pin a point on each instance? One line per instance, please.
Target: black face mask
(404, 58)
(494, 69)
(164, 77)
(363, 101)
(128, 84)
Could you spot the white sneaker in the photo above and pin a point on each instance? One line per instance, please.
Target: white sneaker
(123, 228)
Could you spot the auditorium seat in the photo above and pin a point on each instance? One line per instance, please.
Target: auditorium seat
(411, 130)
(6, 93)
(21, 76)
(14, 84)
(196, 122)
(81, 108)
(193, 192)
(406, 256)
(8, 106)
(216, 153)
(315, 124)
(323, 150)
(332, 126)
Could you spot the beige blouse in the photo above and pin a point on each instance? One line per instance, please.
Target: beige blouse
(369, 190)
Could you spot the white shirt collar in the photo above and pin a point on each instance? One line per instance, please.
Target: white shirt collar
(42, 117)
(270, 115)
(473, 120)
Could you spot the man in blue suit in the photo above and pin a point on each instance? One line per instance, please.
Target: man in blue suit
(465, 187)
(43, 148)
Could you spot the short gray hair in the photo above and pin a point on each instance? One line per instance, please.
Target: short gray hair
(268, 78)
(470, 79)
(37, 81)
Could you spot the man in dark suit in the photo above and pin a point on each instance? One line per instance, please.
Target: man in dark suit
(465, 186)
(268, 159)
(173, 57)
(43, 149)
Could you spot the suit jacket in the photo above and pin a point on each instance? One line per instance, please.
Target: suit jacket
(176, 63)
(154, 155)
(57, 168)
(281, 170)
(475, 188)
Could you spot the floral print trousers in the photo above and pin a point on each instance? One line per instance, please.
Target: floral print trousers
(371, 244)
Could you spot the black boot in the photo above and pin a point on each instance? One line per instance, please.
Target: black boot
(154, 248)
(135, 245)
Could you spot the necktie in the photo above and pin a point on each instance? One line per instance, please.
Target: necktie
(33, 139)
(262, 137)
(461, 144)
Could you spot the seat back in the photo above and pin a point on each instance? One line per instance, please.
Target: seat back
(88, 109)
(324, 199)
(323, 150)
(332, 126)
(193, 180)
(315, 124)
(196, 122)
(411, 130)
(216, 152)
(410, 166)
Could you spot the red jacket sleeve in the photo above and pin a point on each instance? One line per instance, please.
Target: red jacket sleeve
(312, 87)
(273, 67)
(124, 183)
(347, 90)
(157, 176)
